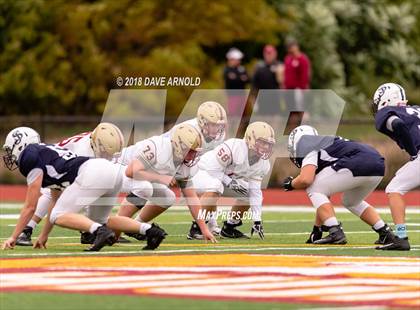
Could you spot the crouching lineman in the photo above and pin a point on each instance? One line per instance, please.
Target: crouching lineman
(71, 178)
(235, 169)
(103, 142)
(164, 161)
(211, 124)
(402, 124)
(330, 165)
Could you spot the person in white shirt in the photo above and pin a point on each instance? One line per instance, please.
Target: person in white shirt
(236, 168)
(103, 142)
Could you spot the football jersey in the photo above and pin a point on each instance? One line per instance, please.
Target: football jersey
(78, 144)
(206, 146)
(232, 158)
(339, 153)
(410, 115)
(59, 166)
(156, 153)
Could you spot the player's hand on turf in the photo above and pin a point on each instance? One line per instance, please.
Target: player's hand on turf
(237, 187)
(257, 228)
(9, 244)
(207, 235)
(287, 184)
(41, 242)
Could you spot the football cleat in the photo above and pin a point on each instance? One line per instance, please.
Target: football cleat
(155, 236)
(104, 236)
(315, 235)
(385, 235)
(195, 232)
(214, 229)
(87, 238)
(397, 244)
(137, 236)
(24, 238)
(336, 235)
(229, 231)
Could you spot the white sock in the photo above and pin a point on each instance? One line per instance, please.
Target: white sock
(32, 224)
(332, 221)
(94, 227)
(379, 224)
(144, 227)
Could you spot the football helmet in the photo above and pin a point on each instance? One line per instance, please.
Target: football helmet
(294, 139)
(211, 117)
(186, 144)
(260, 138)
(106, 140)
(388, 94)
(16, 141)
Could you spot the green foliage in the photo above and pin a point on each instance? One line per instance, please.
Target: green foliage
(62, 57)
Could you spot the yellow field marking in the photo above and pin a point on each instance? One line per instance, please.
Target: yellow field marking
(214, 260)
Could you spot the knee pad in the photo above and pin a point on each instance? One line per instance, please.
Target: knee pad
(318, 199)
(358, 209)
(163, 196)
(135, 200)
(55, 214)
(43, 205)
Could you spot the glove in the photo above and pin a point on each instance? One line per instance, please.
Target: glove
(237, 187)
(258, 228)
(315, 235)
(287, 184)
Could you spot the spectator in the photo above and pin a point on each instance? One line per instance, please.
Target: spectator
(268, 75)
(235, 77)
(297, 71)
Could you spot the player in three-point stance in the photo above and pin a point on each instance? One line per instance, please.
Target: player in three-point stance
(75, 182)
(402, 124)
(236, 169)
(211, 123)
(330, 165)
(103, 142)
(163, 161)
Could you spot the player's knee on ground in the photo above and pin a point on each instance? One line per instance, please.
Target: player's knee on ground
(356, 209)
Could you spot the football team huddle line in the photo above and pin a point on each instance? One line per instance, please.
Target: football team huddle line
(95, 167)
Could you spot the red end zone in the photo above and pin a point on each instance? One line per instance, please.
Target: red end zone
(16, 193)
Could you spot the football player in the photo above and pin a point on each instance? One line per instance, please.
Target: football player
(330, 165)
(211, 123)
(70, 178)
(236, 169)
(164, 161)
(402, 124)
(103, 142)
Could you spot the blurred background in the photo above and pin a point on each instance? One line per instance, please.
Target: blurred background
(60, 59)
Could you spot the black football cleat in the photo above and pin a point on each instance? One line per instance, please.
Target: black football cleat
(398, 244)
(155, 236)
(87, 238)
(336, 235)
(230, 231)
(195, 232)
(24, 238)
(315, 235)
(104, 236)
(137, 236)
(385, 235)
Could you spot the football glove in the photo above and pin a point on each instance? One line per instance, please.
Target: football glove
(237, 187)
(257, 227)
(287, 184)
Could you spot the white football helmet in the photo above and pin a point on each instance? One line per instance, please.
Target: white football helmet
(16, 141)
(211, 117)
(294, 139)
(186, 144)
(260, 137)
(106, 140)
(389, 94)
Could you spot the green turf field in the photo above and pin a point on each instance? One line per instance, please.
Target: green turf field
(285, 232)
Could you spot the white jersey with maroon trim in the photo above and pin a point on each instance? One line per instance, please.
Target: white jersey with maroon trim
(156, 153)
(78, 144)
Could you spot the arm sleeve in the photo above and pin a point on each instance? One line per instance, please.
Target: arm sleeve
(255, 200)
(310, 159)
(403, 133)
(33, 175)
